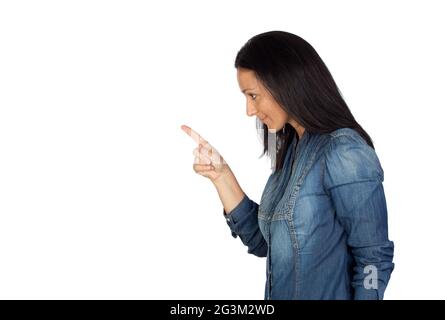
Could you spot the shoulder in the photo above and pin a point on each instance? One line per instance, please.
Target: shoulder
(348, 157)
(345, 132)
(347, 141)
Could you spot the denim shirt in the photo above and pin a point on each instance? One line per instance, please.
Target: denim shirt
(321, 222)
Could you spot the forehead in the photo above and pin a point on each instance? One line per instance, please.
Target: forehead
(247, 78)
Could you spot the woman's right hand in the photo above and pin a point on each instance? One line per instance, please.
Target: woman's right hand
(208, 162)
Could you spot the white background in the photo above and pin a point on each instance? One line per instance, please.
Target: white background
(98, 198)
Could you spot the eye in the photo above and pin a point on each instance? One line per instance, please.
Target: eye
(252, 96)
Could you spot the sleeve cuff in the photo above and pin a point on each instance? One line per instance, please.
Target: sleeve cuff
(237, 214)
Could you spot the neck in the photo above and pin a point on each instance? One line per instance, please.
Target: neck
(299, 129)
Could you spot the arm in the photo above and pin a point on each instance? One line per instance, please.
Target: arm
(353, 177)
(241, 215)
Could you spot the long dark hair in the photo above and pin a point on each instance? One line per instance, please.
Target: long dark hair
(297, 78)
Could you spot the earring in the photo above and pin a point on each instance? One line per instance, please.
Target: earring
(284, 129)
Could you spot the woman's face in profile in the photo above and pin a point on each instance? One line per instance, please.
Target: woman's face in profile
(260, 103)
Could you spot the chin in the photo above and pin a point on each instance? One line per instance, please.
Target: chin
(273, 128)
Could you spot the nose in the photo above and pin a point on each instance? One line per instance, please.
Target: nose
(250, 110)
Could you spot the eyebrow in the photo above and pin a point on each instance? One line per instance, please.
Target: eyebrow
(246, 90)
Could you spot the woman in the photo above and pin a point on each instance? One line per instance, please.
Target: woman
(322, 219)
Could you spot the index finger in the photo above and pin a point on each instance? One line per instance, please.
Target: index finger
(195, 136)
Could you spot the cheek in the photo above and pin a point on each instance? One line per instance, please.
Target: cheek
(280, 114)
(268, 111)
(265, 108)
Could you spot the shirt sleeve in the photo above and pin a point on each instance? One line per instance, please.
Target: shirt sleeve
(243, 222)
(353, 178)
